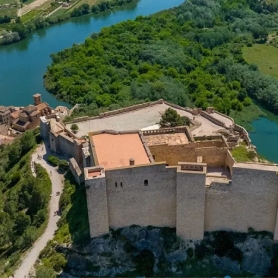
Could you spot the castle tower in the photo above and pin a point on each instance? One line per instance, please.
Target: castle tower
(191, 180)
(37, 99)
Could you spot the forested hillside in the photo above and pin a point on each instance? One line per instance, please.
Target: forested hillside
(23, 201)
(190, 55)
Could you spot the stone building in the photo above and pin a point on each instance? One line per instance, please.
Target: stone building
(60, 139)
(29, 116)
(184, 178)
(5, 113)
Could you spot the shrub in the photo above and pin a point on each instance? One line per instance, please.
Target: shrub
(171, 118)
(43, 272)
(74, 128)
(60, 262)
(53, 160)
(63, 165)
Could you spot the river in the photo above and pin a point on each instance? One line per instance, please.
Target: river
(23, 64)
(265, 138)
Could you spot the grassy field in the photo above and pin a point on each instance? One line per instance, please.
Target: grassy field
(242, 154)
(9, 2)
(247, 115)
(11, 12)
(264, 56)
(89, 2)
(59, 12)
(29, 15)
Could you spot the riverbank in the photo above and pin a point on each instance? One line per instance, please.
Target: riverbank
(19, 30)
(19, 82)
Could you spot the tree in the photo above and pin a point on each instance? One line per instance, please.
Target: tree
(58, 261)
(27, 141)
(171, 118)
(74, 128)
(43, 272)
(22, 222)
(14, 152)
(29, 236)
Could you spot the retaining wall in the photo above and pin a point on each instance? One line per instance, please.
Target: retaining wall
(212, 119)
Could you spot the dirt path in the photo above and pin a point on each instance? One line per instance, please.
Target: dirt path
(30, 7)
(57, 186)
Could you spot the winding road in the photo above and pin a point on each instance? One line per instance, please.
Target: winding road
(57, 186)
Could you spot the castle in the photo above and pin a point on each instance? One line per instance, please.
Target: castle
(183, 177)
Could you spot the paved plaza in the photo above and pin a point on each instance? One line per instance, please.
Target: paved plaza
(144, 118)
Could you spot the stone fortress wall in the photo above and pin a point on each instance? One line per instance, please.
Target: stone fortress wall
(164, 194)
(160, 195)
(249, 200)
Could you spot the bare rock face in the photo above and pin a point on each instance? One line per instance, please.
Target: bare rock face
(148, 251)
(227, 265)
(256, 255)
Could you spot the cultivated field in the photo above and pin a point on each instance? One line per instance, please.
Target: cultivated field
(264, 56)
(9, 2)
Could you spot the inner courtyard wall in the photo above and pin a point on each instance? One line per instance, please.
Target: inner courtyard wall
(212, 152)
(142, 195)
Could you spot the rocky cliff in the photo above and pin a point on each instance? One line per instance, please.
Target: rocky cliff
(138, 251)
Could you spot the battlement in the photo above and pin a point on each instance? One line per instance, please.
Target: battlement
(94, 172)
(193, 167)
(181, 177)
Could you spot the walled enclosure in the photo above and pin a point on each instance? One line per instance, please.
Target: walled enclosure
(177, 195)
(158, 195)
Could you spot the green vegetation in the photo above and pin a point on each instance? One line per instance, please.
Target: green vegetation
(246, 116)
(63, 165)
(55, 161)
(175, 55)
(73, 225)
(14, 2)
(171, 118)
(11, 12)
(27, 17)
(74, 128)
(264, 56)
(24, 201)
(242, 154)
(58, 13)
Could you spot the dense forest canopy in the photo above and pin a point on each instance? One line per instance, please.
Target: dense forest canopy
(190, 55)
